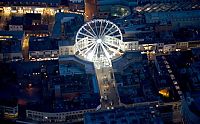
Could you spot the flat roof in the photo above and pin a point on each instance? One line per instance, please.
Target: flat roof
(58, 18)
(42, 43)
(10, 41)
(14, 34)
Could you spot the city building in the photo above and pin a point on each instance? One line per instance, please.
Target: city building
(178, 19)
(31, 23)
(126, 59)
(167, 7)
(130, 45)
(188, 65)
(71, 64)
(67, 117)
(43, 48)
(66, 98)
(63, 25)
(66, 47)
(190, 109)
(113, 8)
(165, 80)
(133, 78)
(104, 9)
(8, 110)
(164, 1)
(72, 96)
(90, 9)
(15, 24)
(76, 6)
(171, 112)
(11, 45)
(183, 67)
(132, 115)
(157, 38)
(43, 3)
(100, 61)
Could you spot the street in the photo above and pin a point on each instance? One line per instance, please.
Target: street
(108, 90)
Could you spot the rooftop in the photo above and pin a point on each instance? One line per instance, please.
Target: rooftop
(136, 115)
(76, 91)
(166, 7)
(57, 29)
(16, 21)
(42, 43)
(32, 2)
(13, 34)
(65, 43)
(133, 78)
(11, 41)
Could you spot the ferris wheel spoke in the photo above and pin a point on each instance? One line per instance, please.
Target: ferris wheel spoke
(79, 40)
(97, 51)
(108, 30)
(85, 35)
(108, 47)
(104, 29)
(111, 49)
(91, 40)
(105, 51)
(89, 32)
(88, 45)
(110, 43)
(94, 49)
(100, 28)
(117, 36)
(92, 29)
(89, 49)
(112, 32)
(92, 53)
(96, 29)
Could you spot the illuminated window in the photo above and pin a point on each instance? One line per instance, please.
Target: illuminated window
(5, 37)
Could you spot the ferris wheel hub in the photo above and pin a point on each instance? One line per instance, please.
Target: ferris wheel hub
(99, 40)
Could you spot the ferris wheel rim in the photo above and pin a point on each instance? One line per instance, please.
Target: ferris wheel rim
(95, 40)
(101, 20)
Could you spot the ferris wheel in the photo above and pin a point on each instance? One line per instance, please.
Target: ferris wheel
(99, 41)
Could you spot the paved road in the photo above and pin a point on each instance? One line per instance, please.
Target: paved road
(108, 91)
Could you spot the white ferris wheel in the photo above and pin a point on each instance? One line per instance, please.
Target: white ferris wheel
(99, 41)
